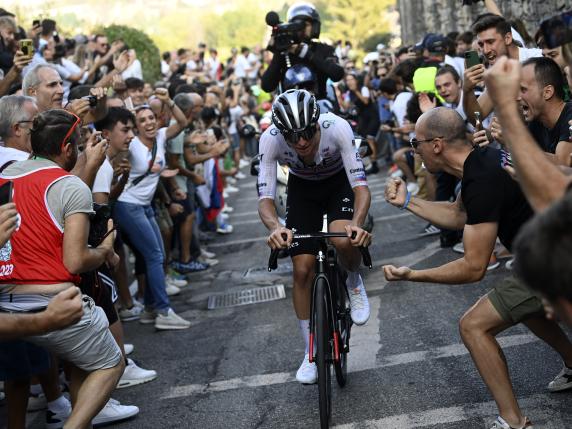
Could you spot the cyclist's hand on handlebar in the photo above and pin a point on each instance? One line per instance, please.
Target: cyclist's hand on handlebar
(362, 237)
(392, 273)
(280, 238)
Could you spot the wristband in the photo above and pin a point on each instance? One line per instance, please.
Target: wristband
(407, 200)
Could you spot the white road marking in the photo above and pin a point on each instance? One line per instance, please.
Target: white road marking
(538, 406)
(359, 350)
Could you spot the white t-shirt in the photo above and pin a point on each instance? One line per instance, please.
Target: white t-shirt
(103, 178)
(134, 70)
(254, 64)
(140, 157)
(240, 66)
(399, 107)
(527, 53)
(457, 63)
(165, 68)
(8, 154)
(235, 114)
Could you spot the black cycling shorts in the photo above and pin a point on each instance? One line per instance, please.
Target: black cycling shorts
(309, 200)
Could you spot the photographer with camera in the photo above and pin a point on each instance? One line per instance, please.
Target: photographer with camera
(293, 43)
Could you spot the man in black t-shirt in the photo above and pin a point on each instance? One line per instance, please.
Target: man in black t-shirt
(491, 204)
(542, 102)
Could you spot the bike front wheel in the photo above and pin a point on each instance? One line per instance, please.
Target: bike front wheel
(323, 353)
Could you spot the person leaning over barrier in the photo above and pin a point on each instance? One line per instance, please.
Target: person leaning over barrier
(491, 204)
(48, 251)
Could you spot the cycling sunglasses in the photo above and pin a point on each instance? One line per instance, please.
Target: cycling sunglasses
(292, 137)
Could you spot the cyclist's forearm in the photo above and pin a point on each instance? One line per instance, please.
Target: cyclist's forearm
(267, 212)
(362, 201)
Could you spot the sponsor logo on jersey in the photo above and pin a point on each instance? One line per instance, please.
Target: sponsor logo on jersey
(274, 131)
(356, 170)
(327, 123)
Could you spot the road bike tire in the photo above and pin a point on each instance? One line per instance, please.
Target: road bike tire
(323, 353)
(343, 327)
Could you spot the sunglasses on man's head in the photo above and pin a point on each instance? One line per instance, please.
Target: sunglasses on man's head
(72, 129)
(292, 137)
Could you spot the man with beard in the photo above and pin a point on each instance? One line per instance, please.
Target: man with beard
(495, 41)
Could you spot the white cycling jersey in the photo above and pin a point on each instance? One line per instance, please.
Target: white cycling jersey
(336, 151)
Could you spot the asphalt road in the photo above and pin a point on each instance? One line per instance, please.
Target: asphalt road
(234, 368)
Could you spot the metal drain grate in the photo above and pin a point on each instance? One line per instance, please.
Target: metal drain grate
(249, 296)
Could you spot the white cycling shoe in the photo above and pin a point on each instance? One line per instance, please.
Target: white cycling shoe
(307, 373)
(359, 304)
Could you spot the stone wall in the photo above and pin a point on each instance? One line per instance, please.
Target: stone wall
(418, 17)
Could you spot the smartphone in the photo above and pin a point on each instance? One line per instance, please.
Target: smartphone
(129, 104)
(557, 31)
(472, 59)
(6, 193)
(26, 46)
(35, 23)
(92, 100)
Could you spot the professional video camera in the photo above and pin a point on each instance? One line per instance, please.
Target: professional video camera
(284, 34)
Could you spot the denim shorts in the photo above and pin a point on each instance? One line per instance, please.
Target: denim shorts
(88, 344)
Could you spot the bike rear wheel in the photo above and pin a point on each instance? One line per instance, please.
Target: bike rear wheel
(323, 353)
(343, 326)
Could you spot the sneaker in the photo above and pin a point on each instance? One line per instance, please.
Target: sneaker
(243, 163)
(240, 175)
(500, 423)
(128, 348)
(129, 314)
(172, 290)
(359, 305)
(224, 216)
(171, 321)
(138, 303)
(509, 264)
(148, 317)
(211, 262)
(413, 187)
(225, 194)
(493, 265)
(307, 373)
(562, 381)
(227, 209)
(113, 411)
(57, 419)
(231, 180)
(172, 280)
(224, 228)
(134, 375)
(188, 267)
(231, 189)
(208, 254)
(37, 402)
(459, 248)
(430, 230)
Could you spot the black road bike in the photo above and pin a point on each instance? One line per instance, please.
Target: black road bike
(330, 317)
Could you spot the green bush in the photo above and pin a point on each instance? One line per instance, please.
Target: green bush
(147, 51)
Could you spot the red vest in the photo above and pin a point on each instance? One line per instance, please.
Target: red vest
(34, 254)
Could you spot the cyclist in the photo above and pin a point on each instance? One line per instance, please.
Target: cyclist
(326, 177)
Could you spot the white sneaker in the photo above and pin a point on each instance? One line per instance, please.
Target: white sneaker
(562, 381)
(148, 317)
(208, 254)
(211, 262)
(225, 228)
(224, 216)
(171, 321)
(134, 375)
(231, 180)
(359, 304)
(129, 314)
(225, 194)
(172, 289)
(171, 280)
(243, 163)
(128, 348)
(240, 175)
(113, 412)
(231, 189)
(413, 188)
(227, 209)
(307, 373)
(57, 419)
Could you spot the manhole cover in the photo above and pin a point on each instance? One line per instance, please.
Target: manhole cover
(248, 296)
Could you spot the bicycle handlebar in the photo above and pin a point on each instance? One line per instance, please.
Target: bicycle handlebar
(366, 257)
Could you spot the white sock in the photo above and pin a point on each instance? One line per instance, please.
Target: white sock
(305, 329)
(60, 404)
(354, 280)
(36, 389)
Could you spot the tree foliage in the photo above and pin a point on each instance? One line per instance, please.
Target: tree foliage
(146, 50)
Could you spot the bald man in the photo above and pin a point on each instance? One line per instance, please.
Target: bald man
(491, 204)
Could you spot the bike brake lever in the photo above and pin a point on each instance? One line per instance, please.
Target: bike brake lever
(273, 260)
(366, 257)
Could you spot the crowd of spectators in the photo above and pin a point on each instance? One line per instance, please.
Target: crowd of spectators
(103, 165)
